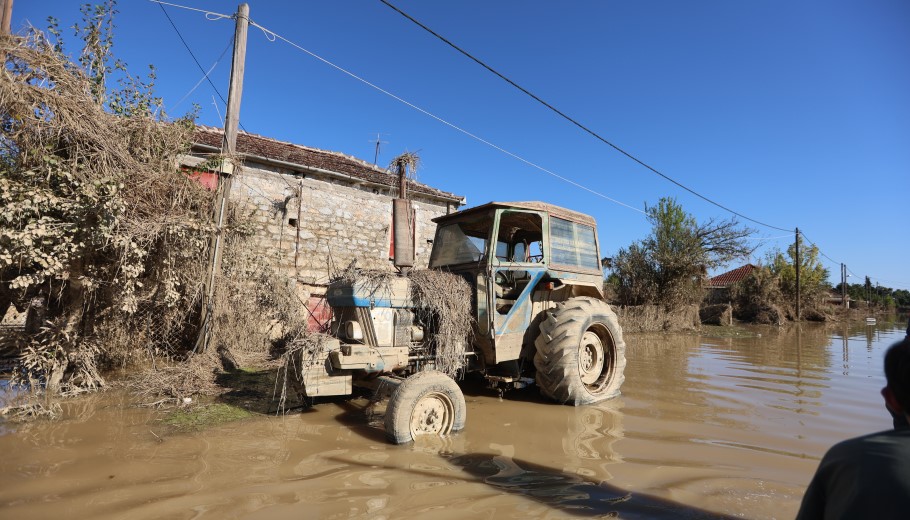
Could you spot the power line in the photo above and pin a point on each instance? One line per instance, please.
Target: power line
(765, 239)
(210, 16)
(206, 75)
(574, 121)
(186, 45)
(271, 36)
(818, 248)
(822, 253)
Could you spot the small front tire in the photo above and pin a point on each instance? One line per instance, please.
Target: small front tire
(426, 403)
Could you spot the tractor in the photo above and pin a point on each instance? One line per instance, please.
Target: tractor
(538, 309)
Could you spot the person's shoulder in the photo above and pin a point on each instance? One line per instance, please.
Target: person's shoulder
(858, 444)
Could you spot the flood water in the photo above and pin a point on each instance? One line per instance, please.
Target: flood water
(705, 428)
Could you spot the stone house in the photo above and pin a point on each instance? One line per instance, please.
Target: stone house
(315, 211)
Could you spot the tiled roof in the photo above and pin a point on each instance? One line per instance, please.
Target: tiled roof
(731, 277)
(268, 148)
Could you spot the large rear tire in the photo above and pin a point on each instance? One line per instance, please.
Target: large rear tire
(427, 403)
(581, 355)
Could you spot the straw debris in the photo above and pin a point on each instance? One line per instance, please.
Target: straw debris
(442, 303)
(102, 235)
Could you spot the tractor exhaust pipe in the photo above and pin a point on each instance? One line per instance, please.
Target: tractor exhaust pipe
(403, 224)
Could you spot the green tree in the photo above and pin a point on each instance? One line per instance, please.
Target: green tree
(813, 277)
(669, 266)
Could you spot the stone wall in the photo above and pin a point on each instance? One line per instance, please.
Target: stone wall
(331, 224)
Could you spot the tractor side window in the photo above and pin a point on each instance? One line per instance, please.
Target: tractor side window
(573, 244)
(518, 232)
(535, 251)
(520, 252)
(502, 251)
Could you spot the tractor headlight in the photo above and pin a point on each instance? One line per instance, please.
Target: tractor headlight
(353, 331)
(416, 333)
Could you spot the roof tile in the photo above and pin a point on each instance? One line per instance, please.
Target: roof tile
(268, 148)
(731, 277)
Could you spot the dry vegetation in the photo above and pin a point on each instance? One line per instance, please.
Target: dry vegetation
(442, 302)
(106, 239)
(758, 298)
(657, 318)
(96, 223)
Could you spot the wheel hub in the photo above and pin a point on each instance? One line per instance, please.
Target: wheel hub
(433, 415)
(590, 358)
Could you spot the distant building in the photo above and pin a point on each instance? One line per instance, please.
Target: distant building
(343, 212)
(837, 299)
(719, 286)
(725, 280)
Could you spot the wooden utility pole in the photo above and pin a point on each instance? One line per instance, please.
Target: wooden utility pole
(228, 165)
(6, 17)
(843, 284)
(798, 314)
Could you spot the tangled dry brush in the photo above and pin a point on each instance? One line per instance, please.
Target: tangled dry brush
(103, 235)
(105, 239)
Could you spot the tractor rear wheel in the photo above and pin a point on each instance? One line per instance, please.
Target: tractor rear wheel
(426, 403)
(580, 355)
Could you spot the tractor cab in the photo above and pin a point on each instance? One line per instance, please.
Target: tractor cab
(506, 253)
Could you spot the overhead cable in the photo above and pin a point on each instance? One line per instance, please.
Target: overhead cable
(210, 16)
(575, 122)
(271, 35)
(204, 76)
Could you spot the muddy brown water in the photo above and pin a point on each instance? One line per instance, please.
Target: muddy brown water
(705, 428)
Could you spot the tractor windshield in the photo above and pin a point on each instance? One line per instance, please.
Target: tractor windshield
(461, 242)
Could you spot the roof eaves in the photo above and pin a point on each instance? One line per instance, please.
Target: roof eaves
(261, 148)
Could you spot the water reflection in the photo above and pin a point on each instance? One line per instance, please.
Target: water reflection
(729, 425)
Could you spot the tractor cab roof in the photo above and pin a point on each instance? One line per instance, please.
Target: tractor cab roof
(555, 211)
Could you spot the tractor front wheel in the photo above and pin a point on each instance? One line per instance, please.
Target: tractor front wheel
(426, 403)
(580, 355)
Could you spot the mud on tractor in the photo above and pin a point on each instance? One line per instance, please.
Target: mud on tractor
(538, 310)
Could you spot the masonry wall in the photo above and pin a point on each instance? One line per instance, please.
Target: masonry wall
(331, 224)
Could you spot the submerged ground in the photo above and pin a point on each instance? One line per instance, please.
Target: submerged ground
(727, 423)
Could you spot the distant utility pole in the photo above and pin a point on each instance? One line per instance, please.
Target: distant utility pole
(843, 284)
(798, 314)
(6, 18)
(228, 149)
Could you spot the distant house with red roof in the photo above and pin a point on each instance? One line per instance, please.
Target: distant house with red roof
(725, 280)
(719, 286)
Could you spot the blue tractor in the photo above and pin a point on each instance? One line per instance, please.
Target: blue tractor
(539, 317)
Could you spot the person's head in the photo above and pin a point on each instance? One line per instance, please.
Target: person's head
(897, 377)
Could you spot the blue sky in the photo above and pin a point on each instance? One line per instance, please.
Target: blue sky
(795, 114)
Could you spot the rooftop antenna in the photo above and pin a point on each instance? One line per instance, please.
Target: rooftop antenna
(378, 142)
